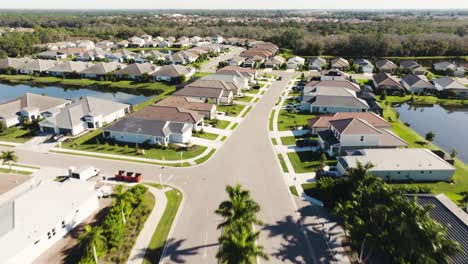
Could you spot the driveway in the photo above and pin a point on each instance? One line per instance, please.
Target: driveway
(248, 158)
(211, 65)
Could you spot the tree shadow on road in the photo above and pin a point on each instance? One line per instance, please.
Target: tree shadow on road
(174, 251)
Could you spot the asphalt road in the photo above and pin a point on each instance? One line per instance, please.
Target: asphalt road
(247, 157)
(211, 65)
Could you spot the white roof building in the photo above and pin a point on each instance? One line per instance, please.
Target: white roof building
(42, 216)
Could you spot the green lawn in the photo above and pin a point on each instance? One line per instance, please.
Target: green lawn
(247, 111)
(246, 99)
(206, 157)
(16, 135)
(3, 170)
(287, 120)
(414, 140)
(231, 110)
(274, 141)
(253, 91)
(427, 100)
(307, 161)
(283, 163)
(159, 238)
(206, 135)
(293, 190)
(223, 138)
(288, 140)
(234, 126)
(89, 142)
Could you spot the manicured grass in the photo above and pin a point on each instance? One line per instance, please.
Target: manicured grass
(159, 238)
(89, 142)
(287, 120)
(283, 163)
(427, 100)
(307, 161)
(274, 141)
(16, 135)
(223, 138)
(234, 126)
(246, 111)
(270, 122)
(246, 99)
(231, 110)
(288, 140)
(414, 140)
(293, 190)
(3, 170)
(253, 91)
(206, 157)
(256, 100)
(206, 135)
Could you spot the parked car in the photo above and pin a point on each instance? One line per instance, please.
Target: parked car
(306, 142)
(128, 176)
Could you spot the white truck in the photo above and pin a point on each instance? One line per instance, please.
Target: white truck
(83, 173)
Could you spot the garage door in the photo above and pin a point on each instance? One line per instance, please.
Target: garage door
(48, 130)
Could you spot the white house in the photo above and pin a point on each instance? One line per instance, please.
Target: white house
(295, 63)
(86, 113)
(355, 133)
(28, 106)
(408, 164)
(42, 216)
(136, 42)
(173, 73)
(445, 83)
(317, 64)
(364, 65)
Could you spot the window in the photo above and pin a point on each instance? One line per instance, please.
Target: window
(362, 138)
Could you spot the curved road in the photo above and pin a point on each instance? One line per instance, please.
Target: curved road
(247, 157)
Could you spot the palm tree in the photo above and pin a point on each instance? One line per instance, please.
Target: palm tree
(239, 247)
(8, 157)
(92, 237)
(239, 209)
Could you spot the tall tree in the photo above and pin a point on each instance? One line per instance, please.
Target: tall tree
(239, 247)
(92, 237)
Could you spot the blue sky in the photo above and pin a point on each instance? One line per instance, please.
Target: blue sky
(237, 4)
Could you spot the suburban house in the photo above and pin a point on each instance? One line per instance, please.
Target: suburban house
(28, 106)
(51, 55)
(385, 66)
(251, 74)
(413, 67)
(206, 110)
(184, 57)
(322, 122)
(122, 44)
(384, 81)
(334, 74)
(349, 134)
(317, 64)
(155, 125)
(136, 71)
(400, 164)
(444, 66)
(86, 113)
(205, 94)
(37, 66)
(106, 45)
(42, 215)
(165, 44)
(448, 84)
(235, 61)
(155, 55)
(173, 73)
(309, 87)
(236, 81)
(274, 62)
(12, 64)
(136, 42)
(85, 44)
(214, 82)
(323, 99)
(69, 68)
(339, 64)
(417, 84)
(452, 217)
(101, 69)
(121, 55)
(295, 63)
(364, 65)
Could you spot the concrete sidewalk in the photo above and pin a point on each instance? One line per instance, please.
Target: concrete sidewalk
(141, 244)
(206, 142)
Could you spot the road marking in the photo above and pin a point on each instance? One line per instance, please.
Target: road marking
(206, 243)
(170, 177)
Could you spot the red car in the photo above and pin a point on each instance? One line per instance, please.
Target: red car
(128, 176)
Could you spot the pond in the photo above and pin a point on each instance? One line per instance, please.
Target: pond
(8, 92)
(450, 124)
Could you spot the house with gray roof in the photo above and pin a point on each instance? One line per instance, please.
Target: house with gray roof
(451, 217)
(317, 64)
(51, 55)
(68, 68)
(417, 84)
(30, 107)
(206, 94)
(385, 65)
(173, 73)
(207, 110)
(384, 81)
(136, 71)
(38, 66)
(239, 82)
(218, 83)
(12, 64)
(364, 66)
(86, 113)
(339, 64)
(400, 164)
(447, 84)
(156, 125)
(101, 69)
(413, 67)
(274, 62)
(332, 100)
(349, 134)
(443, 66)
